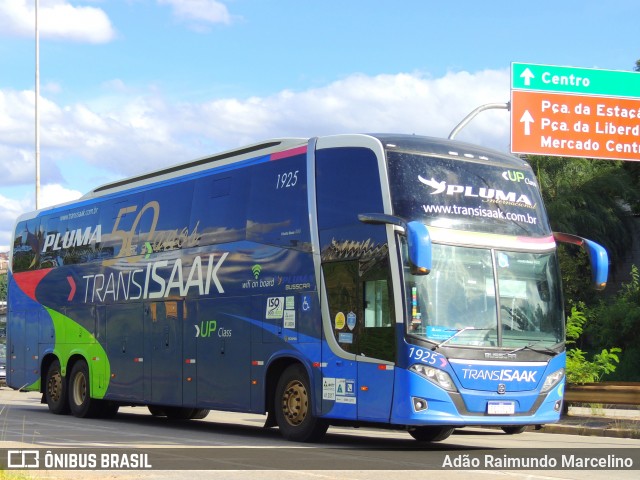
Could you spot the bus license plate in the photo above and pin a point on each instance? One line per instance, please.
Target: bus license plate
(501, 408)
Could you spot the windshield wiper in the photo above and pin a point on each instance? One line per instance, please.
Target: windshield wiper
(545, 350)
(438, 345)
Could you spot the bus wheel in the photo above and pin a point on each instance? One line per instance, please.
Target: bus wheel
(431, 434)
(294, 407)
(55, 390)
(199, 413)
(513, 429)
(178, 413)
(156, 411)
(80, 401)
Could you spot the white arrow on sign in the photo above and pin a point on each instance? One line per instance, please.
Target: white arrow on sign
(527, 119)
(527, 75)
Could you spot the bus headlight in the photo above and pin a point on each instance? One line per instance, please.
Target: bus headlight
(435, 375)
(552, 380)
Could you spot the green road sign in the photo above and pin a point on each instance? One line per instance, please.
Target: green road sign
(586, 81)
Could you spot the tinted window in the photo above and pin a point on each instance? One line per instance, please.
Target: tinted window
(27, 245)
(220, 207)
(361, 315)
(454, 193)
(348, 183)
(278, 208)
(163, 219)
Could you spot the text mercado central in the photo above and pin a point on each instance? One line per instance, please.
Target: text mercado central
(396, 281)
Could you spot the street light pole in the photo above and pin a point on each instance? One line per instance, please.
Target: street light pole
(37, 111)
(471, 116)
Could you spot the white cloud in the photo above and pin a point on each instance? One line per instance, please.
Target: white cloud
(57, 19)
(54, 194)
(11, 208)
(199, 13)
(128, 133)
(385, 103)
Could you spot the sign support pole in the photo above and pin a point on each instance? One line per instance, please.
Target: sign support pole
(472, 115)
(37, 112)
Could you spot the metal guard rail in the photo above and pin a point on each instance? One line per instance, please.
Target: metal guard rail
(612, 393)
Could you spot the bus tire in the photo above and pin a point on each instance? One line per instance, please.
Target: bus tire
(179, 413)
(431, 434)
(55, 390)
(199, 413)
(513, 429)
(80, 401)
(294, 407)
(157, 411)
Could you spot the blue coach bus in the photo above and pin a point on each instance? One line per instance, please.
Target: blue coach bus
(398, 281)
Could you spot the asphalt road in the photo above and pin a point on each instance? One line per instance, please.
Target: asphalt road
(231, 445)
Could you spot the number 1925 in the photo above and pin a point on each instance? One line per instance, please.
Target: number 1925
(287, 179)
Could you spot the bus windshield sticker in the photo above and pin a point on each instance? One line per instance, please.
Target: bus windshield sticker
(351, 320)
(345, 337)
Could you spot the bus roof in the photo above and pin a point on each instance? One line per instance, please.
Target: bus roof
(424, 144)
(418, 143)
(229, 156)
(449, 148)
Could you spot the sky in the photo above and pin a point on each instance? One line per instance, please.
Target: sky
(128, 86)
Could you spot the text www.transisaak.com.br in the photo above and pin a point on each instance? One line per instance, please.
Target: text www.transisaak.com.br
(480, 212)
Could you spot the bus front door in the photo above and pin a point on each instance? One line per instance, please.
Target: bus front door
(361, 384)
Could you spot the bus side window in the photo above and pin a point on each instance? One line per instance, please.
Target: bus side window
(27, 245)
(361, 311)
(377, 338)
(219, 208)
(277, 212)
(376, 304)
(341, 279)
(52, 254)
(162, 221)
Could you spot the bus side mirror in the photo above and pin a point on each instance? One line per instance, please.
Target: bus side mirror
(419, 243)
(418, 239)
(597, 257)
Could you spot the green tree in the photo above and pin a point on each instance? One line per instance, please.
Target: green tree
(3, 287)
(615, 320)
(579, 368)
(590, 198)
(633, 168)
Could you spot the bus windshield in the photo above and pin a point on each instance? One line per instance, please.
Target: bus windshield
(466, 195)
(486, 298)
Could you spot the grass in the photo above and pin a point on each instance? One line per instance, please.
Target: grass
(4, 475)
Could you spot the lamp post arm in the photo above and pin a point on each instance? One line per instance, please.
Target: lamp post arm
(481, 108)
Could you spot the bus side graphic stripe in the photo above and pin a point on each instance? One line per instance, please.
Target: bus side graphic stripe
(29, 281)
(289, 153)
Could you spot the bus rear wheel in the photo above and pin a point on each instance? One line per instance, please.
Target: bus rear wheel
(431, 434)
(294, 407)
(80, 401)
(55, 390)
